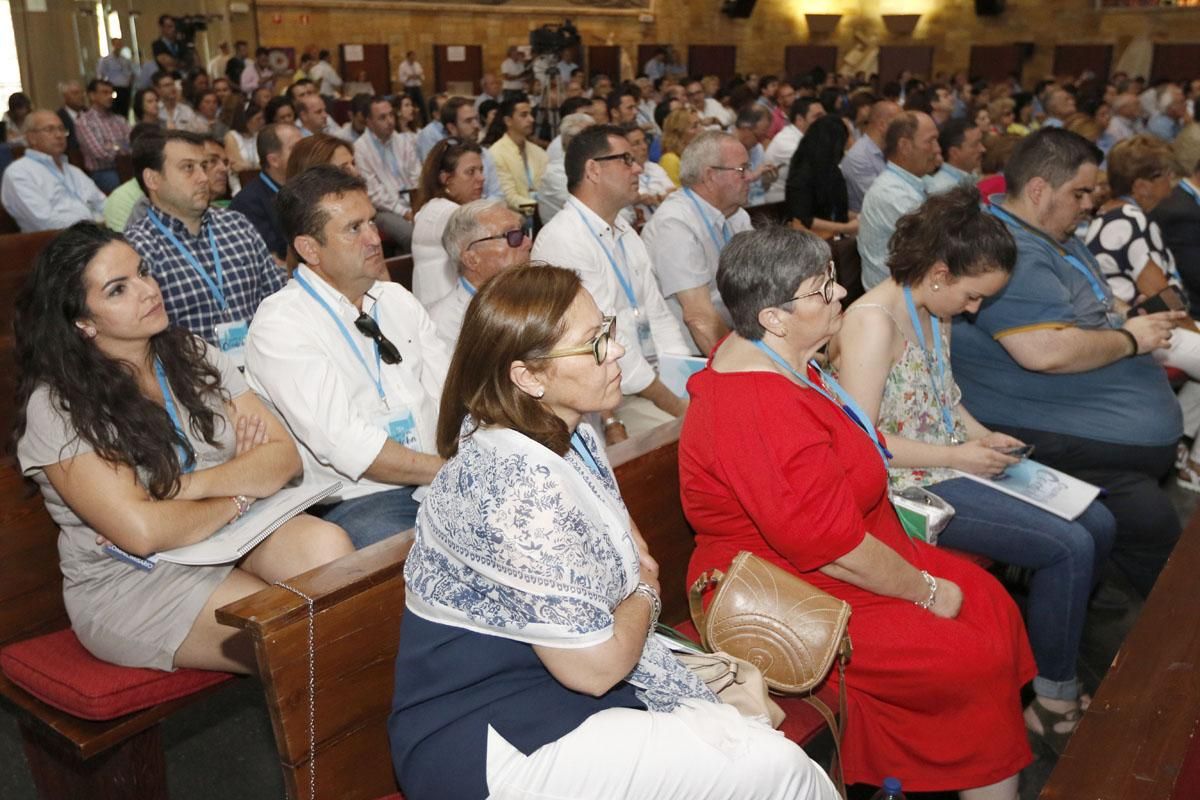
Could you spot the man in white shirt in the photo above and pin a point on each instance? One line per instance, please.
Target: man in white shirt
(311, 117)
(552, 191)
(804, 111)
(513, 70)
(751, 128)
(590, 237)
(329, 83)
(41, 190)
(216, 66)
(392, 170)
(489, 86)
(350, 360)
(691, 228)
(412, 78)
(1126, 118)
(483, 238)
(654, 184)
(173, 113)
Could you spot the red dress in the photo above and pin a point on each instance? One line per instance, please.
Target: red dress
(776, 469)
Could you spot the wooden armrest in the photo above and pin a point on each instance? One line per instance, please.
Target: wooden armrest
(275, 607)
(635, 446)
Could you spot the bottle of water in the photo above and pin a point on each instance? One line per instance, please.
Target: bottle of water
(890, 790)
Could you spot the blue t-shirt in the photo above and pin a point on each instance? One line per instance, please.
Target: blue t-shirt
(451, 684)
(1126, 402)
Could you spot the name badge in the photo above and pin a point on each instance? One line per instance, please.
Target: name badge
(645, 337)
(231, 338)
(401, 428)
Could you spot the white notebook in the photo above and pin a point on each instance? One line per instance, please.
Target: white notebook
(1044, 487)
(674, 371)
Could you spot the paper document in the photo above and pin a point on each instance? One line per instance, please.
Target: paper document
(674, 371)
(1044, 487)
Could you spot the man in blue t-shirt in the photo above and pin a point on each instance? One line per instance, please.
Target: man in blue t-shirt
(1053, 360)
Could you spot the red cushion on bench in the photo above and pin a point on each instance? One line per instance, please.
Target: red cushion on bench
(57, 670)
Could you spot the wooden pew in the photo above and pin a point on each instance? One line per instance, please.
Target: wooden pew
(1138, 740)
(357, 604)
(400, 268)
(17, 254)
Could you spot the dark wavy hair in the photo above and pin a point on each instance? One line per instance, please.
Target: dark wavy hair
(520, 314)
(951, 228)
(99, 394)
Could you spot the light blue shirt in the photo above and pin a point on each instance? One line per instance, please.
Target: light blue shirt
(430, 135)
(41, 198)
(1163, 127)
(116, 69)
(861, 166)
(893, 194)
(757, 194)
(434, 132)
(947, 178)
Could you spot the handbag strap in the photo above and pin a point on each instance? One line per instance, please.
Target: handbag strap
(836, 724)
(702, 583)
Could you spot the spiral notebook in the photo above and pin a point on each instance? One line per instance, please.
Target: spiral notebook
(239, 537)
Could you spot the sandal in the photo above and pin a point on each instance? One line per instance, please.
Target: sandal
(1051, 739)
(1188, 476)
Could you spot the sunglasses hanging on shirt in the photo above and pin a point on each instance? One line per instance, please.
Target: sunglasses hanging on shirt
(388, 353)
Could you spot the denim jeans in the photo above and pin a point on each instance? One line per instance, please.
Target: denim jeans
(1065, 556)
(375, 517)
(106, 180)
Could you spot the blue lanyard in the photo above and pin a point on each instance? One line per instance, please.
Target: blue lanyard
(578, 445)
(847, 403)
(217, 287)
(939, 380)
(272, 185)
(624, 281)
(375, 377)
(1070, 258)
(388, 156)
(186, 462)
(907, 177)
(467, 287)
(704, 218)
(1187, 187)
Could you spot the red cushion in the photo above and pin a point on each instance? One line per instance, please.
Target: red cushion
(57, 670)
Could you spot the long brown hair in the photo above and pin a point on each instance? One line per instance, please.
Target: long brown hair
(444, 157)
(312, 150)
(516, 316)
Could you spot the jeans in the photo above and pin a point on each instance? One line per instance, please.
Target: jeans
(375, 517)
(1065, 556)
(106, 180)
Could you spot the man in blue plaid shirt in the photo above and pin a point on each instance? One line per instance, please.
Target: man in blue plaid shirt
(212, 265)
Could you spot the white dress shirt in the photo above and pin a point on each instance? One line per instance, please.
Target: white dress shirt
(779, 153)
(326, 77)
(388, 169)
(552, 192)
(654, 180)
(893, 194)
(448, 313)
(410, 74)
(181, 118)
(40, 197)
(685, 250)
(568, 241)
(555, 150)
(433, 271)
(299, 360)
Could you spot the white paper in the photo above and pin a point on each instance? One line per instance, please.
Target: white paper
(35, 6)
(674, 371)
(1044, 487)
(456, 52)
(352, 52)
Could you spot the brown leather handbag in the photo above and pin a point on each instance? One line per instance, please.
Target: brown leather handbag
(792, 631)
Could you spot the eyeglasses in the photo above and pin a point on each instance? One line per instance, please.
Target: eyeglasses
(48, 129)
(626, 157)
(598, 347)
(826, 291)
(370, 328)
(742, 169)
(515, 238)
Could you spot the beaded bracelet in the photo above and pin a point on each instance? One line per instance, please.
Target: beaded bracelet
(243, 505)
(933, 587)
(647, 591)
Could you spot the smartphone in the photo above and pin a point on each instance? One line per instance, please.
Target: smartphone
(1024, 451)
(1169, 299)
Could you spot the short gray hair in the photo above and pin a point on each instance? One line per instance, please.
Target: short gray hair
(763, 268)
(572, 125)
(704, 151)
(463, 227)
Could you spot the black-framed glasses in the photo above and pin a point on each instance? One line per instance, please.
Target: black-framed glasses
(742, 169)
(597, 347)
(368, 327)
(626, 157)
(514, 238)
(826, 291)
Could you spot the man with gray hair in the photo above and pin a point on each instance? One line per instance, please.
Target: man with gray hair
(552, 192)
(691, 227)
(42, 191)
(482, 238)
(1171, 114)
(1126, 118)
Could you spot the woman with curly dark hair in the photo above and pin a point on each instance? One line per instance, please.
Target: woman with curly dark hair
(141, 435)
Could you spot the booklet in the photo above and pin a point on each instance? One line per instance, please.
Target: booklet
(1042, 486)
(674, 371)
(239, 537)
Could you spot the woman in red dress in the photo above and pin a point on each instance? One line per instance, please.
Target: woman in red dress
(773, 460)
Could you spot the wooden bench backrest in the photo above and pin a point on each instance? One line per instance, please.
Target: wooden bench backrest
(17, 254)
(359, 600)
(30, 582)
(400, 268)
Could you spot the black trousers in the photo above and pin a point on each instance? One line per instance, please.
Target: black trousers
(121, 101)
(1147, 525)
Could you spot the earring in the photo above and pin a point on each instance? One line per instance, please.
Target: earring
(935, 287)
(541, 394)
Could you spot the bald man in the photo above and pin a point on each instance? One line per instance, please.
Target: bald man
(41, 190)
(865, 160)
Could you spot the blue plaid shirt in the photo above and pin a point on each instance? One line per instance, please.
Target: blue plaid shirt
(251, 274)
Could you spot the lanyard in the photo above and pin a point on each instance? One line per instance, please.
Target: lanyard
(272, 185)
(644, 183)
(217, 287)
(621, 278)
(939, 380)
(388, 156)
(847, 403)
(577, 444)
(1070, 258)
(186, 462)
(467, 287)
(704, 218)
(1187, 187)
(376, 377)
(907, 177)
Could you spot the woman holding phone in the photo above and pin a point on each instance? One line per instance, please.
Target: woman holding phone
(893, 357)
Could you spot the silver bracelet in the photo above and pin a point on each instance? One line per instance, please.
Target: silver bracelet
(243, 505)
(933, 587)
(610, 421)
(647, 591)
